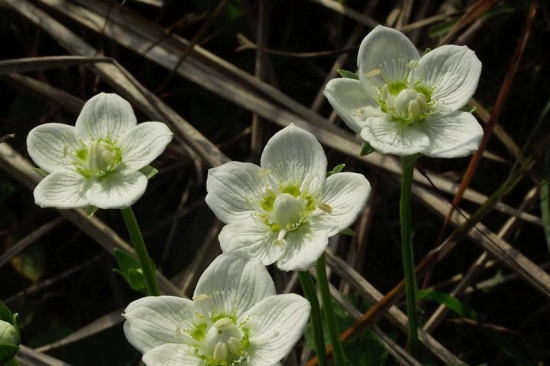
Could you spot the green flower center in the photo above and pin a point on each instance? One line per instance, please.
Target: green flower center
(219, 338)
(405, 101)
(95, 159)
(223, 343)
(410, 105)
(286, 207)
(287, 211)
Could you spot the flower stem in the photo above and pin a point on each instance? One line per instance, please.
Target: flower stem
(316, 321)
(322, 282)
(407, 250)
(141, 251)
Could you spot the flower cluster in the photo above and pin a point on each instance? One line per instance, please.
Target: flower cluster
(96, 162)
(235, 318)
(281, 212)
(406, 104)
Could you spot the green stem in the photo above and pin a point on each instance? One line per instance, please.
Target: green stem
(316, 321)
(141, 251)
(322, 282)
(407, 250)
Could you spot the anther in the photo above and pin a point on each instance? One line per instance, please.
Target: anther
(373, 73)
(325, 207)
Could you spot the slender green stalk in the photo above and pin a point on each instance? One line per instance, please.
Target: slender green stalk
(316, 321)
(322, 282)
(141, 251)
(407, 250)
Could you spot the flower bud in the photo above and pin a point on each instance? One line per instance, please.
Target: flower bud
(8, 334)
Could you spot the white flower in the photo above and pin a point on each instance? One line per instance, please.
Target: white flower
(405, 104)
(235, 318)
(285, 210)
(96, 162)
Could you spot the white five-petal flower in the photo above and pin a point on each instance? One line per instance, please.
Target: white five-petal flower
(235, 318)
(96, 162)
(404, 104)
(285, 210)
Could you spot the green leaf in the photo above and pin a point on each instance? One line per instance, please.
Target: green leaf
(348, 74)
(125, 260)
(149, 171)
(348, 231)
(30, 263)
(7, 352)
(337, 169)
(452, 303)
(131, 270)
(6, 315)
(136, 280)
(468, 108)
(90, 211)
(366, 149)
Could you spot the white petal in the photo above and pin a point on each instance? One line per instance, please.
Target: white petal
(172, 355)
(305, 245)
(143, 144)
(452, 135)
(105, 116)
(251, 238)
(276, 323)
(295, 157)
(117, 190)
(350, 101)
(390, 137)
(232, 189)
(453, 74)
(389, 51)
(153, 321)
(347, 194)
(233, 284)
(46, 145)
(62, 190)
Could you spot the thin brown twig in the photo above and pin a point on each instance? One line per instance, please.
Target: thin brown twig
(499, 104)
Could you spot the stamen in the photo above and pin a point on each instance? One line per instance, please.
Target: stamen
(414, 108)
(263, 172)
(413, 64)
(234, 345)
(220, 352)
(280, 241)
(201, 297)
(323, 206)
(223, 324)
(373, 73)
